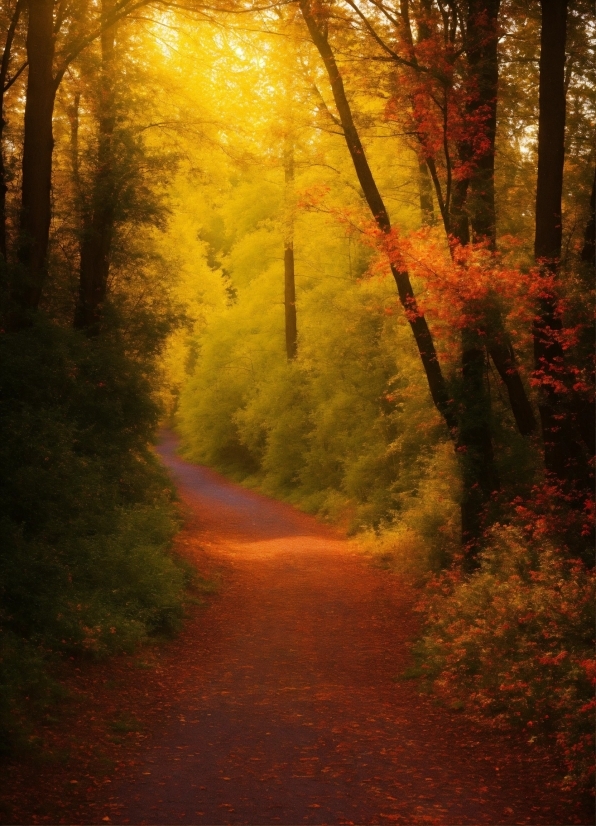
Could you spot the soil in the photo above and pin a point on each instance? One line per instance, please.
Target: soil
(279, 703)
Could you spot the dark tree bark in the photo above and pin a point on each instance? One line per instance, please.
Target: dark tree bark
(37, 155)
(548, 351)
(290, 301)
(422, 335)
(564, 416)
(480, 477)
(425, 194)
(289, 274)
(474, 196)
(73, 113)
(4, 85)
(98, 221)
(457, 224)
(483, 63)
(482, 59)
(586, 408)
(38, 143)
(503, 357)
(551, 133)
(587, 254)
(472, 202)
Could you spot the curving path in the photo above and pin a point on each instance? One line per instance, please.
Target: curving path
(289, 711)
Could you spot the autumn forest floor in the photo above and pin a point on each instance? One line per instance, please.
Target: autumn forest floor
(278, 703)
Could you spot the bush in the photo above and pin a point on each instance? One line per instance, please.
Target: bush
(515, 641)
(86, 511)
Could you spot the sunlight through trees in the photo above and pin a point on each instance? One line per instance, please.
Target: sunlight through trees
(345, 249)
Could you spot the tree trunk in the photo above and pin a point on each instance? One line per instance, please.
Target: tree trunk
(453, 205)
(482, 58)
(548, 352)
(551, 133)
(478, 204)
(474, 197)
(503, 357)
(422, 335)
(480, 477)
(37, 156)
(473, 204)
(586, 409)
(98, 222)
(289, 277)
(425, 193)
(4, 66)
(588, 249)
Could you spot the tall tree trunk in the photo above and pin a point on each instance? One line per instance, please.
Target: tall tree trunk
(480, 477)
(562, 413)
(551, 135)
(586, 409)
(289, 275)
(37, 156)
(479, 473)
(425, 194)
(422, 335)
(73, 113)
(472, 203)
(482, 58)
(548, 351)
(473, 198)
(589, 247)
(98, 221)
(454, 207)
(4, 67)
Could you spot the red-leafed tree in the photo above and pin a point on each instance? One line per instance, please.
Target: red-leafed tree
(567, 417)
(467, 128)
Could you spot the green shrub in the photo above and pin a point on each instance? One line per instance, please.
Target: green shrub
(86, 511)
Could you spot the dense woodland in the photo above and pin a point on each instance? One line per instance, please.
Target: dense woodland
(346, 250)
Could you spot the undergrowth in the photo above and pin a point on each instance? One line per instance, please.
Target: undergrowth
(514, 642)
(86, 514)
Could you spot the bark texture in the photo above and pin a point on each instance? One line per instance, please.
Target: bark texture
(98, 221)
(37, 156)
(548, 351)
(482, 58)
(425, 194)
(291, 327)
(422, 335)
(4, 81)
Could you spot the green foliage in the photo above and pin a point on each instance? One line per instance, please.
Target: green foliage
(86, 512)
(424, 535)
(514, 641)
(344, 430)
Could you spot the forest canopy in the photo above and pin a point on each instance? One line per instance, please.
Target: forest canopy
(346, 250)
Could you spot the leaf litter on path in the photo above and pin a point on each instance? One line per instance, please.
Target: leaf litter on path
(277, 703)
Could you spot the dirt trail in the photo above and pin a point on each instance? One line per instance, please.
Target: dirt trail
(290, 713)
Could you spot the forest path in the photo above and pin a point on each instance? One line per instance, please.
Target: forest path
(288, 711)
